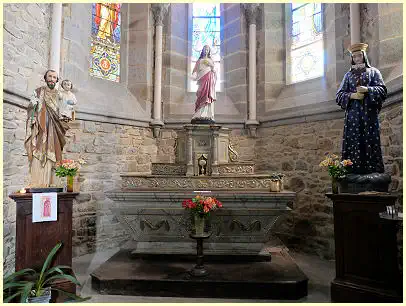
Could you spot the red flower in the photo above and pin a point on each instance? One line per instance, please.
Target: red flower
(201, 204)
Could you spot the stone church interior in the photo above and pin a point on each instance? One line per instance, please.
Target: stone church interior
(202, 152)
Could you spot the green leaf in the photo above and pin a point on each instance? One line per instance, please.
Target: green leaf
(72, 295)
(57, 269)
(13, 285)
(9, 298)
(63, 276)
(26, 292)
(18, 273)
(47, 263)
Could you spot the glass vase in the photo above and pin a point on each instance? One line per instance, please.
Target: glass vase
(199, 224)
(69, 183)
(334, 185)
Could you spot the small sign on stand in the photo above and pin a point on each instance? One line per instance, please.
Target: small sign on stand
(44, 207)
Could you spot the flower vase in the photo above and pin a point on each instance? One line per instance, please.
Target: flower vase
(44, 298)
(275, 186)
(334, 186)
(69, 183)
(199, 224)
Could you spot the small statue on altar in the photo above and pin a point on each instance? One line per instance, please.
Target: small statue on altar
(361, 94)
(205, 75)
(45, 133)
(67, 101)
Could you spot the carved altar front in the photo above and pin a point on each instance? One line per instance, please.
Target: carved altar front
(159, 225)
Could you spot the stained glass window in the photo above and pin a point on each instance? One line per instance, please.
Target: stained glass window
(306, 47)
(105, 45)
(206, 31)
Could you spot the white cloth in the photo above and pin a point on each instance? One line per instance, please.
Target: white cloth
(206, 111)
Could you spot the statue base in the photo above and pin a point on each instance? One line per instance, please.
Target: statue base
(44, 189)
(356, 183)
(202, 121)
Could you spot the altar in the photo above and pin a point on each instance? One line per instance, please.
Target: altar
(240, 254)
(149, 206)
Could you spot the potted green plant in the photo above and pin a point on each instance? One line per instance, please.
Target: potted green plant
(336, 169)
(68, 168)
(32, 286)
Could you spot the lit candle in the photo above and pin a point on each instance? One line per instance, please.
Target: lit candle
(22, 190)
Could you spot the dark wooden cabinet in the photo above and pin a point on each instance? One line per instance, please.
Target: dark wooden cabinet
(34, 241)
(366, 253)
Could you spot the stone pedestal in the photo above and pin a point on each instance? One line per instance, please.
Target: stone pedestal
(366, 250)
(202, 147)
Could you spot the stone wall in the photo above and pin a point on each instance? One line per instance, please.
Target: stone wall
(26, 44)
(382, 29)
(296, 151)
(15, 171)
(108, 149)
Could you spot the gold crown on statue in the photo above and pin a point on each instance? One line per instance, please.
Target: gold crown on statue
(358, 47)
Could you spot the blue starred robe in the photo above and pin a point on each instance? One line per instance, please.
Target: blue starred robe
(361, 138)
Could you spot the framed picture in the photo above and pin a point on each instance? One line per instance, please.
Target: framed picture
(44, 207)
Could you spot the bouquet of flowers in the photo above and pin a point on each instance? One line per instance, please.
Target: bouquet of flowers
(68, 167)
(336, 169)
(201, 205)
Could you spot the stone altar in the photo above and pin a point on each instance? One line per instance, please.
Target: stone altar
(149, 206)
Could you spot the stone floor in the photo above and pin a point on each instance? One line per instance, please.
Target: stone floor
(320, 273)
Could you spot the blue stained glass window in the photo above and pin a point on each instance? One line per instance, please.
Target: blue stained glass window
(206, 31)
(105, 44)
(204, 10)
(307, 54)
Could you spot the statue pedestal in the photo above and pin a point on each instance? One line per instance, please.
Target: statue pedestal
(202, 148)
(34, 241)
(365, 250)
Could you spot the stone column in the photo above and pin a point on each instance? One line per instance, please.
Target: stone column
(355, 23)
(159, 10)
(215, 140)
(189, 152)
(251, 12)
(55, 53)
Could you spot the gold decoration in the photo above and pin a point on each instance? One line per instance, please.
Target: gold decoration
(196, 183)
(233, 155)
(242, 169)
(358, 47)
(275, 186)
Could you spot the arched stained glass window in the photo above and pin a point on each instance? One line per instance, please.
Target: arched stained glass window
(105, 45)
(305, 47)
(205, 31)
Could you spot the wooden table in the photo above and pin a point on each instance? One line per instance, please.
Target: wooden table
(365, 250)
(34, 241)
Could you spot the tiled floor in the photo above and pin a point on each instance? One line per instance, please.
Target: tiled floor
(320, 273)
